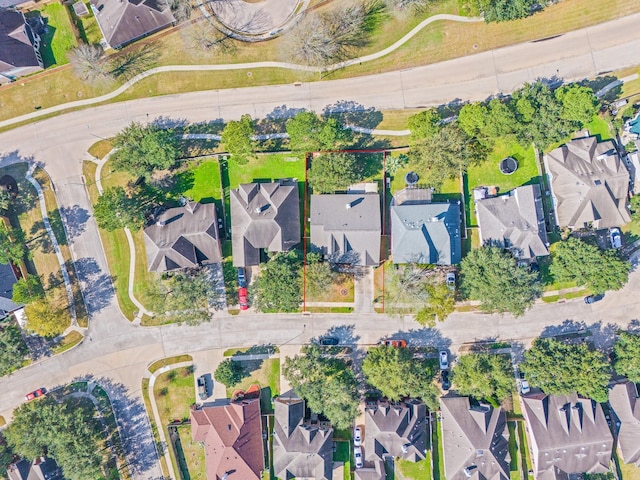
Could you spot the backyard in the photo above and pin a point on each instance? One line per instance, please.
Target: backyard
(342, 454)
(59, 36)
(87, 25)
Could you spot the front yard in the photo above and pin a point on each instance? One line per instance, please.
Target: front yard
(266, 374)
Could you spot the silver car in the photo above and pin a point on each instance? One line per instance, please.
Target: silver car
(357, 453)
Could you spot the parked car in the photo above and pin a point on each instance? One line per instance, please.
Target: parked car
(329, 341)
(395, 343)
(202, 388)
(357, 453)
(524, 387)
(35, 394)
(444, 360)
(615, 237)
(242, 298)
(242, 281)
(444, 379)
(593, 298)
(357, 437)
(451, 280)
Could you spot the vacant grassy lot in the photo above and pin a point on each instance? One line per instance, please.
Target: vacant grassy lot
(59, 37)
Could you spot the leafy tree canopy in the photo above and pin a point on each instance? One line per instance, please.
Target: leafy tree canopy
(67, 431)
(560, 368)
(333, 171)
(116, 209)
(142, 149)
(229, 373)
(491, 275)
(439, 306)
(319, 274)
(472, 118)
(627, 356)
(423, 126)
(397, 374)
(6, 454)
(46, 318)
(12, 247)
(310, 133)
(237, 138)
(6, 199)
(328, 385)
(484, 376)
(279, 285)
(577, 261)
(504, 10)
(12, 349)
(27, 289)
(579, 104)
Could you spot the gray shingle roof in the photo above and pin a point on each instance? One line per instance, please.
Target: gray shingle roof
(423, 232)
(347, 227)
(515, 220)
(474, 438)
(625, 403)
(264, 215)
(391, 426)
(589, 184)
(124, 21)
(376, 472)
(567, 434)
(183, 237)
(7, 279)
(16, 43)
(300, 449)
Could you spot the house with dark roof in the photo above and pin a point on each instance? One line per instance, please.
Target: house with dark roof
(346, 228)
(42, 468)
(7, 280)
(232, 437)
(183, 237)
(567, 435)
(516, 221)
(125, 21)
(19, 47)
(423, 231)
(475, 440)
(375, 472)
(395, 429)
(590, 184)
(625, 403)
(301, 448)
(264, 216)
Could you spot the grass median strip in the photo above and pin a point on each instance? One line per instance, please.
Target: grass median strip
(155, 366)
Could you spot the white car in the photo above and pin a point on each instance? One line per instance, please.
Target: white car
(357, 453)
(524, 387)
(615, 237)
(444, 360)
(357, 437)
(451, 280)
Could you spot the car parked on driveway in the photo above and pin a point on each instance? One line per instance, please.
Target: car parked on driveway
(444, 379)
(357, 453)
(357, 436)
(395, 343)
(444, 360)
(524, 387)
(202, 388)
(451, 280)
(242, 298)
(615, 237)
(35, 394)
(242, 281)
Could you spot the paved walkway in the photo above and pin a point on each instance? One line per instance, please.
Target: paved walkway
(363, 292)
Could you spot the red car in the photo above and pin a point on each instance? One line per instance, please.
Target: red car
(38, 393)
(395, 343)
(242, 298)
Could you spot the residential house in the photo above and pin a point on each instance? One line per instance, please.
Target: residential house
(125, 21)
(232, 437)
(183, 237)
(516, 221)
(346, 227)
(396, 430)
(589, 183)
(7, 280)
(302, 448)
(625, 403)
(42, 468)
(19, 47)
(264, 216)
(567, 435)
(475, 440)
(423, 231)
(376, 472)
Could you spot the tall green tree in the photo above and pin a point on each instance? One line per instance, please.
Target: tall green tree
(491, 275)
(440, 304)
(333, 171)
(484, 376)
(310, 133)
(190, 293)
(560, 368)
(27, 289)
(46, 318)
(12, 349)
(577, 261)
(472, 118)
(142, 149)
(423, 126)
(504, 10)
(237, 139)
(279, 285)
(327, 383)
(229, 373)
(115, 209)
(579, 104)
(397, 374)
(67, 431)
(5, 200)
(12, 246)
(627, 356)
(319, 275)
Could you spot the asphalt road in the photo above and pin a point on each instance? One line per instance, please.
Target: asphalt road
(118, 353)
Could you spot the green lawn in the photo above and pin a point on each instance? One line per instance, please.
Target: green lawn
(343, 454)
(193, 454)
(204, 184)
(525, 456)
(60, 37)
(265, 168)
(415, 470)
(438, 453)
(513, 452)
(266, 375)
(87, 26)
(599, 127)
(174, 393)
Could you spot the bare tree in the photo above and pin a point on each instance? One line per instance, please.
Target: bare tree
(206, 36)
(132, 62)
(415, 5)
(181, 9)
(89, 64)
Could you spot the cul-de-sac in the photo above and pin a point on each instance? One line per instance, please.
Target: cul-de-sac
(319, 239)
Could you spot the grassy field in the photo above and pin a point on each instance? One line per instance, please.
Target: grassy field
(70, 340)
(204, 186)
(59, 38)
(265, 373)
(174, 393)
(265, 168)
(339, 291)
(100, 148)
(193, 454)
(87, 26)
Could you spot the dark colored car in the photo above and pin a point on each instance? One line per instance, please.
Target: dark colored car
(202, 388)
(444, 378)
(329, 341)
(242, 298)
(593, 298)
(220, 227)
(35, 394)
(242, 281)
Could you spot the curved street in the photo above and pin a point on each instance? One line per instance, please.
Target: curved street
(117, 353)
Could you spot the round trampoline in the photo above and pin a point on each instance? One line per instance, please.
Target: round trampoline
(508, 165)
(411, 179)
